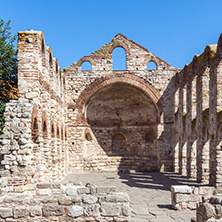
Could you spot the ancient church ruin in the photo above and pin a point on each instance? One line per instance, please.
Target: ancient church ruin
(164, 119)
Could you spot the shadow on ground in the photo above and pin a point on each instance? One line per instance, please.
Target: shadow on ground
(155, 180)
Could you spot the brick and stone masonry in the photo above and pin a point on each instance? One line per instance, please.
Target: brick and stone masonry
(165, 119)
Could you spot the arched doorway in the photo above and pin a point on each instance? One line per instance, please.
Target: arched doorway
(120, 117)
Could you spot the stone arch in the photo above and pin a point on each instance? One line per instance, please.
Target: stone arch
(150, 63)
(52, 129)
(119, 44)
(118, 143)
(100, 83)
(44, 124)
(119, 54)
(86, 59)
(35, 124)
(58, 133)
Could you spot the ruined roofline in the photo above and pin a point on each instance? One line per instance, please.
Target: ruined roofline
(119, 34)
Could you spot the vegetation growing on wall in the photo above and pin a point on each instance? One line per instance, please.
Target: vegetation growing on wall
(8, 68)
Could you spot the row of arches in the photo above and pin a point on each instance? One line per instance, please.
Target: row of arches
(55, 131)
(119, 61)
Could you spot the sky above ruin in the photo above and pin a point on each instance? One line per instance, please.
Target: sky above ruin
(173, 30)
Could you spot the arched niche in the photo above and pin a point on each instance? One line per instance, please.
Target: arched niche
(118, 115)
(118, 144)
(121, 104)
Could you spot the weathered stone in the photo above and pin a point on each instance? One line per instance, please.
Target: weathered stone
(20, 211)
(75, 211)
(89, 199)
(53, 210)
(126, 209)
(110, 209)
(64, 200)
(35, 211)
(91, 210)
(181, 189)
(5, 212)
(71, 191)
(117, 197)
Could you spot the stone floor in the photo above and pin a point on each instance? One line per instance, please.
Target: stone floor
(149, 193)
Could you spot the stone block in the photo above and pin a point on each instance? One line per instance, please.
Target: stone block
(64, 200)
(117, 197)
(110, 209)
(20, 211)
(89, 199)
(181, 189)
(5, 212)
(91, 210)
(53, 210)
(71, 191)
(192, 205)
(107, 189)
(75, 211)
(44, 192)
(206, 211)
(126, 209)
(35, 211)
(83, 190)
(76, 199)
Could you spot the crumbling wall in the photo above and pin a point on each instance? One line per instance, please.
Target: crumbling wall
(82, 87)
(198, 117)
(36, 149)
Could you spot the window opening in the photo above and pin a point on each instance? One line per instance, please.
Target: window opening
(119, 59)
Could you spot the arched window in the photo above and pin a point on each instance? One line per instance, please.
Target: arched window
(118, 143)
(119, 59)
(151, 65)
(86, 66)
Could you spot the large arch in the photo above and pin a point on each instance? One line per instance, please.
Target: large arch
(100, 83)
(119, 110)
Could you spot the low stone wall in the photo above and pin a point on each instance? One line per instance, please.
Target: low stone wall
(69, 202)
(187, 197)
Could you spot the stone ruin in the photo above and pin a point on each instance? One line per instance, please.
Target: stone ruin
(163, 119)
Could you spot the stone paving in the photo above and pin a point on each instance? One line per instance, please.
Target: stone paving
(150, 196)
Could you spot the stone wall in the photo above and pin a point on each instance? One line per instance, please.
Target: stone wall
(64, 202)
(104, 103)
(34, 138)
(104, 119)
(197, 143)
(187, 197)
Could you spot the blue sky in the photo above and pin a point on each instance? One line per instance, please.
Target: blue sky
(173, 30)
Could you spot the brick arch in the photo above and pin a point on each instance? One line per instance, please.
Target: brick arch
(86, 59)
(155, 60)
(98, 84)
(35, 125)
(119, 44)
(44, 124)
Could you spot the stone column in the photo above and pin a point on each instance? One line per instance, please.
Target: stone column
(199, 126)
